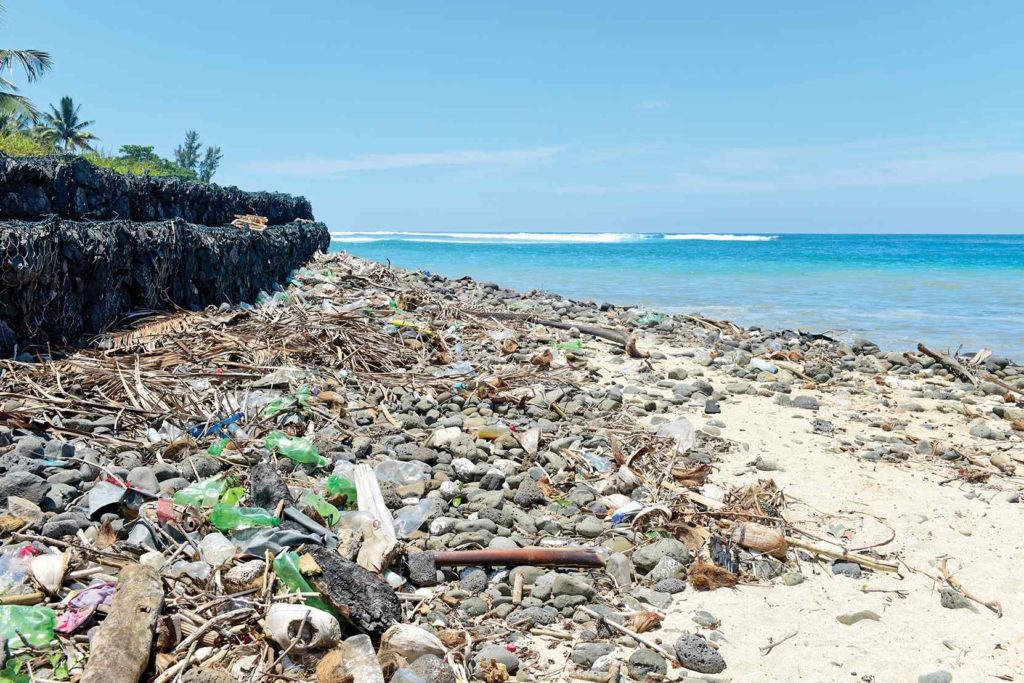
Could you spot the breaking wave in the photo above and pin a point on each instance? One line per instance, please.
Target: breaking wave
(534, 237)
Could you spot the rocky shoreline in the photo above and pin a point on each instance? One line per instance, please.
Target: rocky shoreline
(685, 499)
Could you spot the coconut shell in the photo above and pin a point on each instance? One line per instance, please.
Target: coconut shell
(760, 539)
(411, 642)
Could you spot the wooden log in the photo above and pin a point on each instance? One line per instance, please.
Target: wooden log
(120, 650)
(950, 363)
(362, 598)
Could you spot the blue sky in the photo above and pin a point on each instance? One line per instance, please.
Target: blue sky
(568, 116)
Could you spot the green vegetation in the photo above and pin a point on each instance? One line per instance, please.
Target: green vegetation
(65, 128)
(24, 131)
(141, 160)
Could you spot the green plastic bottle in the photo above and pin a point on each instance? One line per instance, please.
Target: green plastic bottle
(574, 345)
(299, 398)
(202, 494)
(228, 517)
(339, 487)
(218, 446)
(34, 623)
(327, 512)
(297, 448)
(232, 495)
(286, 567)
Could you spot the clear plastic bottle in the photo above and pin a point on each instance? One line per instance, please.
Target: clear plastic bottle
(296, 448)
(411, 518)
(14, 564)
(402, 473)
(361, 660)
(21, 623)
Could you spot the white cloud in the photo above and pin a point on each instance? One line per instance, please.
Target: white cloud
(650, 105)
(850, 165)
(384, 162)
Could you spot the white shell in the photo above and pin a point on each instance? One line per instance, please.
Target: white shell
(49, 571)
(411, 642)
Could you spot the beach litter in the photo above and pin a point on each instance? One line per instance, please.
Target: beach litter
(380, 475)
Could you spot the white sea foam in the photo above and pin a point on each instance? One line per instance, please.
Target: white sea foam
(715, 237)
(532, 237)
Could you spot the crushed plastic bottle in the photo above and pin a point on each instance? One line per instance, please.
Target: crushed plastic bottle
(296, 448)
(597, 462)
(200, 571)
(574, 345)
(463, 367)
(202, 494)
(411, 518)
(327, 512)
(216, 549)
(227, 517)
(14, 564)
(361, 660)
(232, 495)
(681, 430)
(650, 318)
(22, 625)
(341, 491)
(402, 473)
(217, 448)
(286, 567)
(299, 399)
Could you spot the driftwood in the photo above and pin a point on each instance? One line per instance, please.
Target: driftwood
(840, 554)
(266, 488)
(621, 337)
(360, 597)
(120, 650)
(950, 363)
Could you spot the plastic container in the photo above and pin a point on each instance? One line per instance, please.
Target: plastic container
(299, 399)
(14, 564)
(411, 518)
(295, 448)
(200, 571)
(361, 660)
(216, 549)
(597, 462)
(227, 517)
(203, 494)
(34, 624)
(402, 473)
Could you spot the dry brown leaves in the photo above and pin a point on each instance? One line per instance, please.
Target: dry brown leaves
(705, 576)
(641, 622)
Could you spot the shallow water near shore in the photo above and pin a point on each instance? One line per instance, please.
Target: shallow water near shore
(944, 290)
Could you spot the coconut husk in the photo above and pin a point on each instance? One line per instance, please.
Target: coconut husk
(330, 669)
(641, 622)
(705, 576)
(760, 539)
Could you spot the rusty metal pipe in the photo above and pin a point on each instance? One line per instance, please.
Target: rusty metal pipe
(514, 557)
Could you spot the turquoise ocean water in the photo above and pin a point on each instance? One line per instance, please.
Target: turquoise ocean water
(944, 290)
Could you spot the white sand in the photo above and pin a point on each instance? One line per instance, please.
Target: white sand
(973, 525)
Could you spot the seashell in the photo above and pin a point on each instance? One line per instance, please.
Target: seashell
(411, 642)
(49, 571)
(759, 538)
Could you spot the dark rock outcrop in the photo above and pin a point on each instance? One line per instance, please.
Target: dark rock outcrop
(61, 280)
(71, 187)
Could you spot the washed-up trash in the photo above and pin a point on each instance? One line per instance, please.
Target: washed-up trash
(295, 448)
(204, 493)
(401, 472)
(574, 345)
(410, 518)
(681, 430)
(48, 570)
(286, 567)
(461, 368)
(596, 462)
(200, 571)
(327, 512)
(216, 427)
(227, 517)
(411, 642)
(650, 318)
(105, 495)
(301, 628)
(80, 606)
(341, 490)
(22, 625)
(763, 365)
(14, 563)
(216, 549)
(355, 660)
(259, 540)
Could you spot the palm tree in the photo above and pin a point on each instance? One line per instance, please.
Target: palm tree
(33, 62)
(63, 127)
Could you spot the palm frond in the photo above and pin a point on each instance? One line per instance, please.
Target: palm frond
(33, 62)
